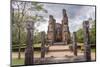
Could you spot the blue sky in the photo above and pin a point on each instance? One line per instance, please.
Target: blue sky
(76, 15)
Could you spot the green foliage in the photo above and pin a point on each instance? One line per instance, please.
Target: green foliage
(80, 36)
(37, 37)
(19, 16)
(16, 61)
(92, 32)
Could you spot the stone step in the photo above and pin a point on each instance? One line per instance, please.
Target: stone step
(59, 54)
(59, 43)
(59, 48)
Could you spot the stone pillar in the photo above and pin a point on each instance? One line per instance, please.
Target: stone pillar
(29, 59)
(87, 50)
(42, 44)
(42, 47)
(74, 44)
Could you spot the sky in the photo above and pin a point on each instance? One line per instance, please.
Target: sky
(76, 15)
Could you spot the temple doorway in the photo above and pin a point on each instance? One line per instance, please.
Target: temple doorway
(58, 33)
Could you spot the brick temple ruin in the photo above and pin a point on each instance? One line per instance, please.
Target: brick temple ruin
(58, 32)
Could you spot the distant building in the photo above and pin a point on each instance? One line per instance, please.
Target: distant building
(58, 32)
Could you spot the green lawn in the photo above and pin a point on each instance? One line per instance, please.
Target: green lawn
(18, 61)
(93, 50)
(24, 46)
(37, 45)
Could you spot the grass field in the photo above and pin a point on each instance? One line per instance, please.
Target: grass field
(93, 50)
(16, 61)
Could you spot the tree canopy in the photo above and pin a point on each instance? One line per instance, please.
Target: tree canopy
(21, 11)
(92, 31)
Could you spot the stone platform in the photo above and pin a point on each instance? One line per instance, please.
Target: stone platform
(59, 48)
(59, 60)
(58, 43)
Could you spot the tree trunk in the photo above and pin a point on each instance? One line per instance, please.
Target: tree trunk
(19, 48)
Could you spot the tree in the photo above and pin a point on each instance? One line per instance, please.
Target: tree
(80, 36)
(21, 11)
(93, 33)
(37, 38)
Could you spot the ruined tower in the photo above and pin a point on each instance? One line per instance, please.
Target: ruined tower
(65, 28)
(58, 32)
(51, 29)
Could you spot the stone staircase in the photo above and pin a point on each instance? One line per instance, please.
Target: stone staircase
(59, 43)
(58, 48)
